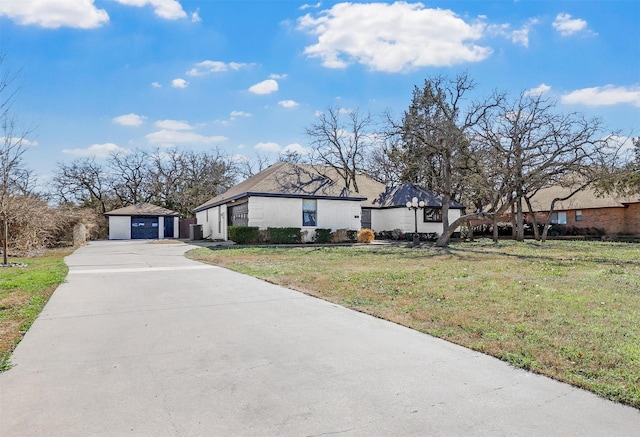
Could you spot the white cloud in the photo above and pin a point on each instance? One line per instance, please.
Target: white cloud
(517, 36)
(209, 67)
(296, 148)
(568, 26)
(277, 76)
(309, 6)
(179, 83)
(393, 37)
(607, 95)
(96, 150)
(540, 89)
(173, 125)
(288, 103)
(156, 85)
(236, 114)
(170, 138)
(195, 16)
(167, 9)
(239, 157)
(267, 147)
(53, 14)
(265, 87)
(13, 140)
(129, 119)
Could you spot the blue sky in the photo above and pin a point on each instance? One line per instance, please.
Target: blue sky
(249, 76)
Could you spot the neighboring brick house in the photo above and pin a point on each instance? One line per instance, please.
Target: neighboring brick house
(611, 214)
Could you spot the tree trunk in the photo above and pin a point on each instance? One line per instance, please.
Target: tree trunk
(5, 237)
(520, 221)
(534, 221)
(514, 223)
(496, 234)
(445, 212)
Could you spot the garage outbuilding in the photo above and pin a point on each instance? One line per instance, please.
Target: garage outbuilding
(142, 221)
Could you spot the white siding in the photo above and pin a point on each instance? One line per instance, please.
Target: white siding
(119, 227)
(214, 222)
(282, 212)
(275, 212)
(403, 219)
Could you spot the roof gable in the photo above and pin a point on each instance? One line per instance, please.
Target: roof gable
(143, 209)
(585, 199)
(401, 194)
(287, 180)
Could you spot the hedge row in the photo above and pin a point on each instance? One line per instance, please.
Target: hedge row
(253, 235)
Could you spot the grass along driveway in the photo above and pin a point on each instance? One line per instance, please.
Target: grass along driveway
(24, 291)
(569, 310)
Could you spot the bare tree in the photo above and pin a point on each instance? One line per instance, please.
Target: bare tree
(245, 167)
(84, 182)
(15, 179)
(541, 147)
(340, 140)
(435, 148)
(204, 174)
(130, 176)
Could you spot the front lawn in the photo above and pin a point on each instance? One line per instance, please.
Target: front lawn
(24, 291)
(569, 310)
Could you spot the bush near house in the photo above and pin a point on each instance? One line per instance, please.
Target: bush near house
(323, 236)
(285, 235)
(365, 236)
(244, 234)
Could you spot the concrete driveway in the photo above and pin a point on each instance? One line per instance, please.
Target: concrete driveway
(142, 341)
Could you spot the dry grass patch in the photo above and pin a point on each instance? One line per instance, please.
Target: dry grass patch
(569, 310)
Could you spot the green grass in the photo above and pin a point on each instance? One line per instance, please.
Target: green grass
(24, 291)
(569, 310)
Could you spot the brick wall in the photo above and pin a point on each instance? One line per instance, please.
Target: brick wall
(615, 220)
(632, 219)
(610, 220)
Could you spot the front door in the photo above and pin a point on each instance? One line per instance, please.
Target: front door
(366, 218)
(144, 228)
(168, 227)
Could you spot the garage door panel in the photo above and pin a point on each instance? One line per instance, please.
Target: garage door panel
(144, 228)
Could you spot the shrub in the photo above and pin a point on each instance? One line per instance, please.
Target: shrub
(352, 235)
(285, 235)
(244, 234)
(323, 236)
(340, 236)
(365, 236)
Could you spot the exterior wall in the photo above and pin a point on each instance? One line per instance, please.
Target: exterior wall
(610, 220)
(119, 227)
(402, 218)
(214, 222)
(632, 219)
(283, 212)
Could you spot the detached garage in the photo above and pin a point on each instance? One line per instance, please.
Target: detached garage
(142, 221)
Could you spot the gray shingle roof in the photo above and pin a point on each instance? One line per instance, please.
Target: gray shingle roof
(285, 179)
(143, 209)
(585, 199)
(401, 194)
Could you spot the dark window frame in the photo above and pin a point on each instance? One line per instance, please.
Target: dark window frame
(432, 215)
(309, 216)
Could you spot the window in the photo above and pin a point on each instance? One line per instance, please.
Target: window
(559, 218)
(432, 215)
(309, 212)
(579, 216)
